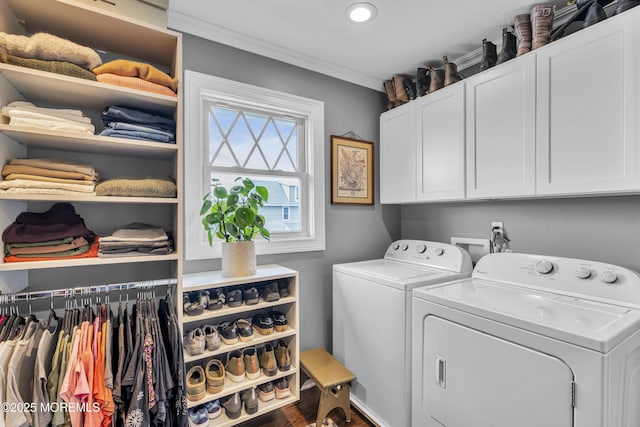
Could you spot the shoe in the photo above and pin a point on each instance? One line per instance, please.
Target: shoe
(251, 363)
(624, 5)
(216, 300)
(283, 357)
(280, 323)
(203, 299)
(398, 84)
(437, 79)
(269, 292)
(522, 28)
(541, 25)
(508, 46)
(283, 289)
(245, 330)
(233, 406)
(213, 409)
(391, 94)
(196, 383)
(489, 55)
(215, 372)
(263, 323)
(234, 297)
(595, 14)
(194, 342)
(409, 88)
(228, 332)
(198, 416)
(190, 308)
(451, 74)
(235, 367)
(266, 392)
(282, 388)
(422, 81)
(267, 360)
(250, 295)
(211, 338)
(250, 400)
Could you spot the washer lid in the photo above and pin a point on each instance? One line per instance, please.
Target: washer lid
(595, 325)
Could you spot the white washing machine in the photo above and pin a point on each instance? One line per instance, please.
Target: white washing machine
(529, 341)
(372, 321)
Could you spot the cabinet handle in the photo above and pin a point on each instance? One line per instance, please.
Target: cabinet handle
(441, 371)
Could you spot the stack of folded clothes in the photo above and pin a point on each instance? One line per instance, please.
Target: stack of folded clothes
(137, 187)
(136, 75)
(134, 240)
(56, 234)
(48, 176)
(22, 113)
(46, 52)
(123, 122)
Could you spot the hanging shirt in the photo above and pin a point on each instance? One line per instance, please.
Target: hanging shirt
(14, 418)
(42, 418)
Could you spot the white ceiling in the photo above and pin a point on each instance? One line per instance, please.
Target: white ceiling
(315, 34)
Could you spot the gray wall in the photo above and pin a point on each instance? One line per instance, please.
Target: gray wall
(599, 228)
(353, 232)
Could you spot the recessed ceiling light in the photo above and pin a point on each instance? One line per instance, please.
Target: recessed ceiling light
(361, 12)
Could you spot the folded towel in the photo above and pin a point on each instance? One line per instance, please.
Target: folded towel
(46, 191)
(50, 48)
(57, 164)
(134, 83)
(55, 125)
(27, 177)
(49, 173)
(137, 187)
(24, 105)
(18, 184)
(45, 114)
(138, 232)
(58, 67)
(124, 67)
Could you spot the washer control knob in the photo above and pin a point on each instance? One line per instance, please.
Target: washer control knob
(608, 276)
(439, 251)
(583, 273)
(396, 246)
(544, 266)
(404, 247)
(421, 248)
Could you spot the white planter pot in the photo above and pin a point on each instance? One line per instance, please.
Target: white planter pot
(238, 259)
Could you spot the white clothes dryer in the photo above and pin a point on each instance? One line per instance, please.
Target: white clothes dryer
(529, 341)
(372, 321)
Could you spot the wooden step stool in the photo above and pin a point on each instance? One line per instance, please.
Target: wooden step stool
(332, 378)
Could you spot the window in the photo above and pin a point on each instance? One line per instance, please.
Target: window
(233, 129)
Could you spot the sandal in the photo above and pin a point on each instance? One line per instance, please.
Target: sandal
(215, 376)
(190, 308)
(196, 383)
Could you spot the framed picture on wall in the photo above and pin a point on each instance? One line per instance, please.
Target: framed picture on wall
(351, 171)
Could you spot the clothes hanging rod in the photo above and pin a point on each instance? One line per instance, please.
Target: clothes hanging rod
(88, 290)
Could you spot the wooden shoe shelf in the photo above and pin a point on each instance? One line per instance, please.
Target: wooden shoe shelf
(195, 282)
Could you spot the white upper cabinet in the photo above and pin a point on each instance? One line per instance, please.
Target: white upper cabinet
(398, 154)
(587, 110)
(500, 105)
(440, 144)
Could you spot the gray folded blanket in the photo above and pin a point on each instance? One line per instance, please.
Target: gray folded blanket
(142, 187)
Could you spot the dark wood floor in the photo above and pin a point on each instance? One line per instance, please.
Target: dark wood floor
(303, 413)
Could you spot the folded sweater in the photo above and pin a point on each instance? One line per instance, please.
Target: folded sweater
(58, 67)
(57, 164)
(124, 67)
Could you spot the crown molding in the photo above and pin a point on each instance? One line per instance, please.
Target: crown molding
(219, 34)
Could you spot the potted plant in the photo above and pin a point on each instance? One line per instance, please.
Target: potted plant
(232, 216)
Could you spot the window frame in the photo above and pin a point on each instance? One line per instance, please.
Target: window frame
(200, 90)
(286, 217)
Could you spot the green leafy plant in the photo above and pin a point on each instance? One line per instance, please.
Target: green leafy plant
(232, 215)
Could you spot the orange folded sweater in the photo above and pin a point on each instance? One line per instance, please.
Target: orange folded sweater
(124, 67)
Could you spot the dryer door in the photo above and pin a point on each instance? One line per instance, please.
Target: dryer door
(474, 379)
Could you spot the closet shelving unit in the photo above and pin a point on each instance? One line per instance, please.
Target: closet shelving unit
(196, 282)
(112, 36)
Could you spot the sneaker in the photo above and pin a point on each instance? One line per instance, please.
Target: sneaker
(234, 297)
(235, 367)
(215, 302)
(196, 383)
(213, 409)
(267, 360)
(263, 323)
(279, 321)
(283, 289)
(198, 417)
(250, 400)
(214, 370)
(194, 342)
(282, 388)
(233, 406)
(283, 357)
(269, 292)
(245, 330)
(251, 364)
(250, 295)
(266, 392)
(190, 308)
(212, 338)
(228, 332)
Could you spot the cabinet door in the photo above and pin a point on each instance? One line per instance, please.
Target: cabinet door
(440, 148)
(587, 110)
(397, 154)
(501, 130)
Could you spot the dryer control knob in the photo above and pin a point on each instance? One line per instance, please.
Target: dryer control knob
(421, 248)
(544, 267)
(608, 276)
(583, 273)
(404, 247)
(439, 251)
(396, 246)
